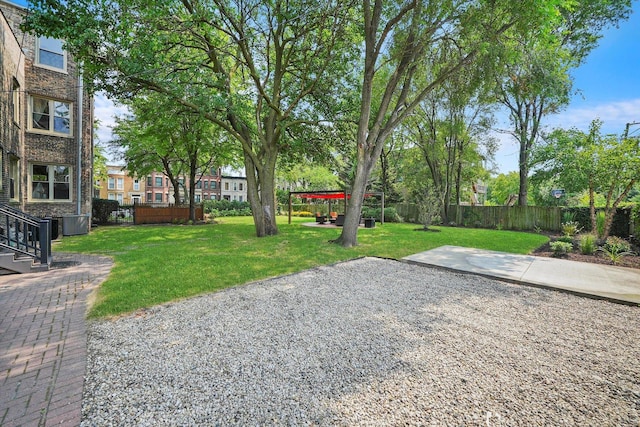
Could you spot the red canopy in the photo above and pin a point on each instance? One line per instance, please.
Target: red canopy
(328, 195)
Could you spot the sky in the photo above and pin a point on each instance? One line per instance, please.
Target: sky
(607, 85)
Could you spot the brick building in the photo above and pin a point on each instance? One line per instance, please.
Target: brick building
(120, 186)
(45, 138)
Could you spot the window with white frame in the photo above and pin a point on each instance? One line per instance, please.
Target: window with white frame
(120, 183)
(120, 198)
(50, 54)
(136, 185)
(111, 185)
(111, 196)
(50, 182)
(50, 116)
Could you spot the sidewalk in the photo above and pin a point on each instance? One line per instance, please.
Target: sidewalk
(43, 341)
(617, 284)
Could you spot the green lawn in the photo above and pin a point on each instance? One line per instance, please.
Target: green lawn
(157, 264)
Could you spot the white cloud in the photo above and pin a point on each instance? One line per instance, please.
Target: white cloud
(106, 111)
(614, 115)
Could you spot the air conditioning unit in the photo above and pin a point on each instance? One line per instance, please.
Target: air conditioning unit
(73, 225)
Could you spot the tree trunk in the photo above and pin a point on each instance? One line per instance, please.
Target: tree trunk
(349, 236)
(261, 194)
(524, 172)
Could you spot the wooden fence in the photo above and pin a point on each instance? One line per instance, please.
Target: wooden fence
(164, 215)
(505, 217)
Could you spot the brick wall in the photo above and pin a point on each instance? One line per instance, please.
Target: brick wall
(50, 149)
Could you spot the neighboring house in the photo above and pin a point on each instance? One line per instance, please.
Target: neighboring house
(45, 138)
(120, 186)
(156, 189)
(234, 188)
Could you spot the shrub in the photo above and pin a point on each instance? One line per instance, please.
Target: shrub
(587, 244)
(568, 216)
(600, 219)
(616, 244)
(566, 239)
(102, 208)
(219, 208)
(561, 248)
(390, 214)
(302, 213)
(570, 228)
(615, 248)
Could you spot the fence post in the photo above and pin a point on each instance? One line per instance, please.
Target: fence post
(45, 241)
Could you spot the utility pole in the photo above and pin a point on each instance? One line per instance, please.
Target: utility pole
(626, 129)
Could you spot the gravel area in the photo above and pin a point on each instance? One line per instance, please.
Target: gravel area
(369, 342)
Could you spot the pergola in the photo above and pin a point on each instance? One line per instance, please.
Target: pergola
(334, 195)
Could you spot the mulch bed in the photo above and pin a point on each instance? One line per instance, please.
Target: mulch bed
(630, 261)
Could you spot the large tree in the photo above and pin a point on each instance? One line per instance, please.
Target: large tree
(591, 161)
(535, 81)
(159, 134)
(401, 39)
(254, 68)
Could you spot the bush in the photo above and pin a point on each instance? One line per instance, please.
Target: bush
(570, 228)
(561, 248)
(102, 208)
(587, 244)
(615, 248)
(566, 239)
(616, 245)
(219, 208)
(390, 214)
(302, 213)
(600, 220)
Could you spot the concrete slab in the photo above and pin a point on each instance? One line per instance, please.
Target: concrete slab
(596, 280)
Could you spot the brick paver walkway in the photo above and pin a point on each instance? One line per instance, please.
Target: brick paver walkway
(43, 343)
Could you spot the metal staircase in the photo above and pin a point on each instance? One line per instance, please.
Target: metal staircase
(25, 242)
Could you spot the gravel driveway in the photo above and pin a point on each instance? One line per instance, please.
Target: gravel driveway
(369, 342)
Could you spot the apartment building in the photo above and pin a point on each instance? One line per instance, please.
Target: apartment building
(46, 124)
(234, 188)
(120, 186)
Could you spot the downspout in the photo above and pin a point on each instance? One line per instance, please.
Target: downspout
(79, 163)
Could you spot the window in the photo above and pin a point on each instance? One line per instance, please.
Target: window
(119, 198)
(199, 184)
(136, 185)
(213, 185)
(240, 186)
(226, 186)
(197, 198)
(149, 197)
(159, 196)
(15, 99)
(158, 181)
(235, 186)
(50, 182)
(206, 185)
(240, 199)
(120, 182)
(111, 185)
(50, 54)
(14, 173)
(111, 196)
(49, 116)
(149, 182)
(166, 182)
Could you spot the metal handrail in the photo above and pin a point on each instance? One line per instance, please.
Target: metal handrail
(24, 234)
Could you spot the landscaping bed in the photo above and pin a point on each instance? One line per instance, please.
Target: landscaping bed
(630, 261)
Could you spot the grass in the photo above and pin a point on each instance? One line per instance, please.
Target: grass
(157, 264)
